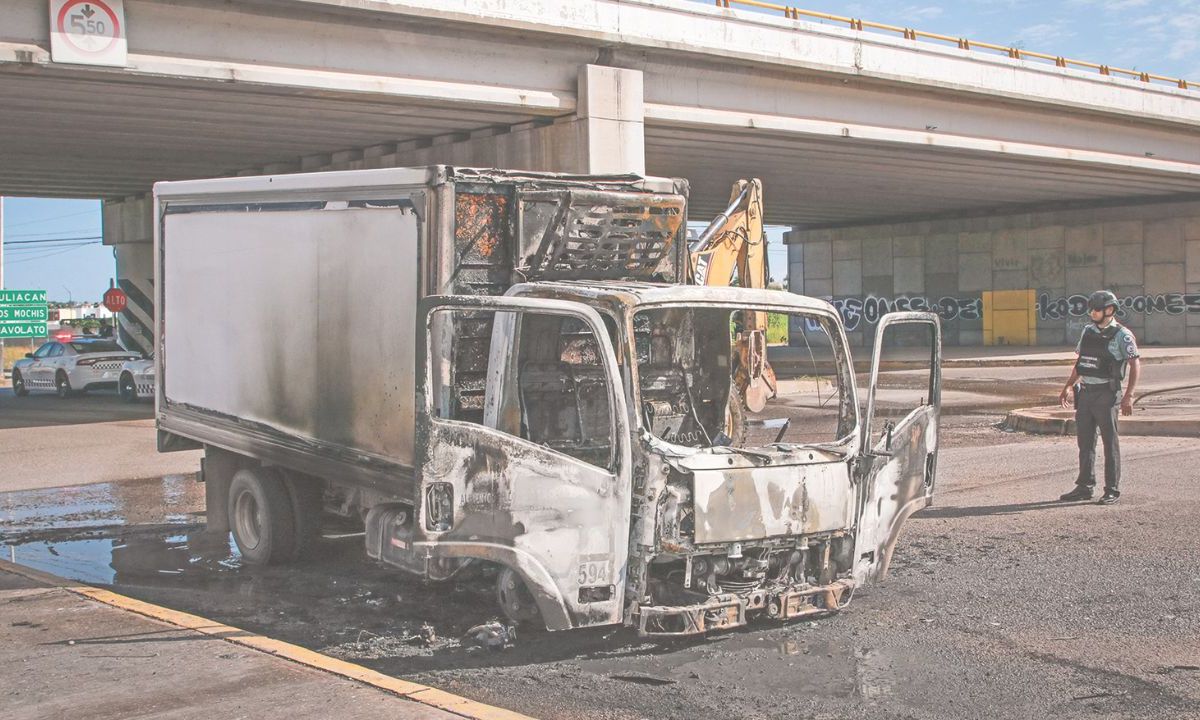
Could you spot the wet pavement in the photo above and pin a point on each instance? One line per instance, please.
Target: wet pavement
(1000, 603)
(46, 441)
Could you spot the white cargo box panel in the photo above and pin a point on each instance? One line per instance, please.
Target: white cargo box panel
(295, 313)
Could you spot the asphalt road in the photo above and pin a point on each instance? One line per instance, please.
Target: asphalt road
(1000, 604)
(46, 441)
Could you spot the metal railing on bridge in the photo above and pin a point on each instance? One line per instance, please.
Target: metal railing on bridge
(961, 43)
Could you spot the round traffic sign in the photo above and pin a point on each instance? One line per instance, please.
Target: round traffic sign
(115, 299)
(89, 26)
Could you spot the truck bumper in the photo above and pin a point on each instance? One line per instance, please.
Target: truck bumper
(728, 611)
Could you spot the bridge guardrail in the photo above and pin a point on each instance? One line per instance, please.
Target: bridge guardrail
(795, 13)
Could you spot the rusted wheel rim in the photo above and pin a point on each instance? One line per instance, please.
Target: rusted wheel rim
(515, 599)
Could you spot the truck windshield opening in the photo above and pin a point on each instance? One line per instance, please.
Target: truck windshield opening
(704, 383)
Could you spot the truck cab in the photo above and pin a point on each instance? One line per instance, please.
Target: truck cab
(603, 462)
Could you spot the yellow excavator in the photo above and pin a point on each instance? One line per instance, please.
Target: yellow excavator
(734, 242)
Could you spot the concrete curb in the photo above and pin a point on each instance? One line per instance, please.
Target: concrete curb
(422, 694)
(1054, 420)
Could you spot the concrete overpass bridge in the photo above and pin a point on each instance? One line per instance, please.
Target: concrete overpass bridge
(911, 168)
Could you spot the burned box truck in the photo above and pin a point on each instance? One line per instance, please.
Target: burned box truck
(509, 371)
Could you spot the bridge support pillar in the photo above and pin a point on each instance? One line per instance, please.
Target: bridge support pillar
(129, 229)
(605, 134)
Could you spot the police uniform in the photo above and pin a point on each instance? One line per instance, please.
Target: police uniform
(1104, 354)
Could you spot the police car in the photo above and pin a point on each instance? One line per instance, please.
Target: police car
(71, 365)
(137, 379)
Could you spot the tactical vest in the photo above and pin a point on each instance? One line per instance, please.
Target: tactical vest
(1095, 359)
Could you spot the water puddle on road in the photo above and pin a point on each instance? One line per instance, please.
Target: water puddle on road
(147, 539)
(111, 533)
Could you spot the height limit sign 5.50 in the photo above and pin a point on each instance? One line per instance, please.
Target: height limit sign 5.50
(88, 32)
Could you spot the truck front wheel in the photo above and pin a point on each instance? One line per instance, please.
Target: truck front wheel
(261, 516)
(516, 602)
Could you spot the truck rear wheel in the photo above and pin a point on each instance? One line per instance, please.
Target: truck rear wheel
(261, 516)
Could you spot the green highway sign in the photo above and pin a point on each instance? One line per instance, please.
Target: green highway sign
(22, 330)
(22, 297)
(24, 314)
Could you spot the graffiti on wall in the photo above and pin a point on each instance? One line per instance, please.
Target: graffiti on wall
(856, 311)
(1060, 308)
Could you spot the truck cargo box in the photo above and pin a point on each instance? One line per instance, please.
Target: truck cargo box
(287, 305)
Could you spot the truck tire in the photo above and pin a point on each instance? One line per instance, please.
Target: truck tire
(306, 494)
(261, 517)
(516, 602)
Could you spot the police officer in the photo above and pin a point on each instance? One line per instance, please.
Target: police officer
(1105, 348)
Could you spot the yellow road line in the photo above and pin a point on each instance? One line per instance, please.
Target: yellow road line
(410, 690)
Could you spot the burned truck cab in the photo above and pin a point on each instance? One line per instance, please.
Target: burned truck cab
(578, 424)
(779, 513)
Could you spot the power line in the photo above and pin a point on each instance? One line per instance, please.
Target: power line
(43, 240)
(56, 217)
(41, 257)
(42, 248)
(55, 232)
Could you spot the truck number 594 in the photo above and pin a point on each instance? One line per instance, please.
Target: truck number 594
(594, 573)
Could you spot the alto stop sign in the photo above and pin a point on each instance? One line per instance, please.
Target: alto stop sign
(115, 299)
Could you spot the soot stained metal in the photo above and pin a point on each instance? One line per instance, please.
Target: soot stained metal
(561, 392)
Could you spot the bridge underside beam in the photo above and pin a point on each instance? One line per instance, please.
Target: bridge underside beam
(819, 173)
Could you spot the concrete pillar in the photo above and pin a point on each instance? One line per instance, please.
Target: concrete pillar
(795, 253)
(605, 135)
(612, 115)
(129, 228)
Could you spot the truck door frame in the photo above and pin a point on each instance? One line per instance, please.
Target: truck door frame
(896, 474)
(444, 445)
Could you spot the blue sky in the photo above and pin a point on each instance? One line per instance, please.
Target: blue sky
(1159, 36)
(54, 245)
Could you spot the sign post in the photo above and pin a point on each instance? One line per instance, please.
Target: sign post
(23, 314)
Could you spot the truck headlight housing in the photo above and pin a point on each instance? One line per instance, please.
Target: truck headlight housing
(439, 506)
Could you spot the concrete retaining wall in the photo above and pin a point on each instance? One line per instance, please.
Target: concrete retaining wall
(1015, 279)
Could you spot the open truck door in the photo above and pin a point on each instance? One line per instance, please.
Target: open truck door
(900, 442)
(523, 453)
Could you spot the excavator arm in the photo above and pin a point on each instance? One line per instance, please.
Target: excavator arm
(734, 241)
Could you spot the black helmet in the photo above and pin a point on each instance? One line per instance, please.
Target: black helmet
(1101, 299)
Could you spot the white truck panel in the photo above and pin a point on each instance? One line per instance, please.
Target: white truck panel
(301, 320)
